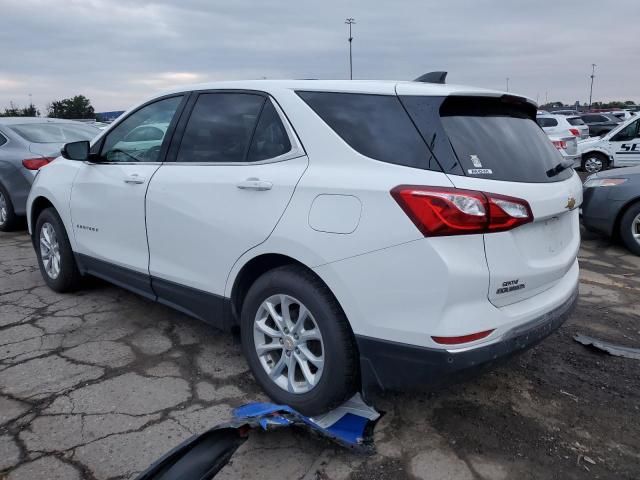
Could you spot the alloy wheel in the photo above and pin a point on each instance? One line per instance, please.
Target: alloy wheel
(593, 164)
(635, 228)
(4, 214)
(50, 250)
(289, 344)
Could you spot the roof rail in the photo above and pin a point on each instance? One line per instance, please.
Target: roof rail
(432, 77)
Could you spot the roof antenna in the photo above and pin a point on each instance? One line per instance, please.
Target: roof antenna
(432, 77)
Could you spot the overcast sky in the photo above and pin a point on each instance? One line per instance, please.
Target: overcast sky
(118, 52)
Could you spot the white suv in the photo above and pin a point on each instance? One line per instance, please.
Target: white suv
(356, 234)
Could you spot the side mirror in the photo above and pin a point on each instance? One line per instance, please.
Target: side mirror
(76, 151)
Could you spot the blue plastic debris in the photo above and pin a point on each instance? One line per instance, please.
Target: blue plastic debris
(202, 456)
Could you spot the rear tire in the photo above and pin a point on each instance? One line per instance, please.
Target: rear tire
(294, 288)
(594, 162)
(8, 218)
(55, 257)
(630, 228)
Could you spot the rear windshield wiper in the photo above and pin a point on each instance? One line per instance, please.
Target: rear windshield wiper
(561, 167)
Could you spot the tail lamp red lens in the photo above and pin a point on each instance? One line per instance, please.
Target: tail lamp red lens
(36, 163)
(438, 211)
(575, 132)
(559, 144)
(463, 339)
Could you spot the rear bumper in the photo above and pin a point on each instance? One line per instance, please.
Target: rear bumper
(395, 366)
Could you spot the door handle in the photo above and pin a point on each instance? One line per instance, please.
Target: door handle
(134, 178)
(254, 184)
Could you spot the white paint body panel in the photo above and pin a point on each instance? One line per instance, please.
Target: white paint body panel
(335, 213)
(101, 199)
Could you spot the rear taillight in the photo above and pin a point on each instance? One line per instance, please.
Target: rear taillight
(559, 144)
(575, 132)
(438, 211)
(36, 163)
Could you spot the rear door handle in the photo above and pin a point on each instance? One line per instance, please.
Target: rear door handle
(134, 178)
(254, 184)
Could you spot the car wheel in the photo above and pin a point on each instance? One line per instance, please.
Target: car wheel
(8, 217)
(594, 162)
(298, 342)
(55, 257)
(630, 228)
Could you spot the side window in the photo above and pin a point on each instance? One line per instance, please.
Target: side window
(140, 136)
(3, 140)
(547, 122)
(270, 139)
(627, 133)
(376, 126)
(220, 128)
(589, 118)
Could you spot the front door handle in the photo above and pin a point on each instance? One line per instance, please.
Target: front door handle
(134, 178)
(254, 184)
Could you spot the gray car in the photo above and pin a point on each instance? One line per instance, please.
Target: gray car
(26, 144)
(611, 205)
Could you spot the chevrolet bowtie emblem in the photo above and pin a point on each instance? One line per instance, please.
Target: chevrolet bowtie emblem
(571, 203)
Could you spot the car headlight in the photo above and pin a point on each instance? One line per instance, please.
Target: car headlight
(603, 182)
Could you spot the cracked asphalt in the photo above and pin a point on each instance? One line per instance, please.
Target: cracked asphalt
(100, 383)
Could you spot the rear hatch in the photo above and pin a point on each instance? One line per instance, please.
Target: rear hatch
(503, 151)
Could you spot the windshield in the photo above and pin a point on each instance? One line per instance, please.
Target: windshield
(55, 132)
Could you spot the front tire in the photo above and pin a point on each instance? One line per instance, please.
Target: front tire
(55, 257)
(630, 228)
(594, 162)
(8, 218)
(297, 341)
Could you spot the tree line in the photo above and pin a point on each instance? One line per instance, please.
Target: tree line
(615, 105)
(76, 107)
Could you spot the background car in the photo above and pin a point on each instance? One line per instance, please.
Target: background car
(568, 148)
(562, 126)
(623, 115)
(611, 205)
(26, 144)
(618, 148)
(600, 123)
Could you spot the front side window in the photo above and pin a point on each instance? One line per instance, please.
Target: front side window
(140, 136)
(220, 128)
(628, 133)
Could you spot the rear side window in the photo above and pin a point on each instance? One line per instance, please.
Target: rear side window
(499, 140)
(270, 139)
(376, 126)
(220, 128)
(547, 122)
(575, 121)
(3, 140)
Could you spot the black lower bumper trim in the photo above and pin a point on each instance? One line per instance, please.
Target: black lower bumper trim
(389, 365)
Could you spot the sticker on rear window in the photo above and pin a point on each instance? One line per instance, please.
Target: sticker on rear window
(476, 161)
(480, 171)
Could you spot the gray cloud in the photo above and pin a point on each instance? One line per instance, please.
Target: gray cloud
(118, 52)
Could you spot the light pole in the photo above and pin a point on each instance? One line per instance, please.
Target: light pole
(593, 74)
(507, 84)
(350, 21)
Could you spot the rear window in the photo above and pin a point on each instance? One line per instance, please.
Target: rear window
(376, 126)
(575, 121)
(54, 132)
(499, 140)
(547, 122)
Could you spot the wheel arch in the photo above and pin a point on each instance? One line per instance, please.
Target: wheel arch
(39, 204)
(615, 232)
(599, 152)
(259, 265)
